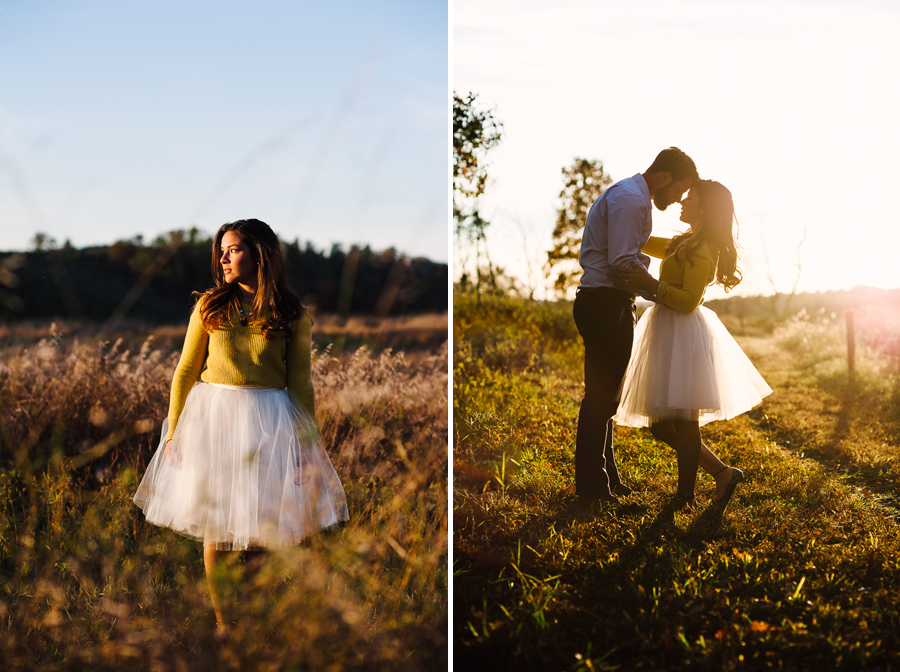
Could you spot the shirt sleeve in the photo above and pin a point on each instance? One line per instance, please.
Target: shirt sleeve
(298, 359)
(625, 224)
(196, 343)
(696, 278)
(656, 247)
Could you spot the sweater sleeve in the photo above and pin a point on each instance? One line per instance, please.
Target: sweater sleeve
(298, 359)
(696, 277)
(656, 247)
(196, 343)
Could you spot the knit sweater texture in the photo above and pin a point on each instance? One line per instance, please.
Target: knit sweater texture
(682, 283)
(238, 355)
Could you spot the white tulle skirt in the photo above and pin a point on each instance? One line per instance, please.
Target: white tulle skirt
(686, 366)
(246, 469)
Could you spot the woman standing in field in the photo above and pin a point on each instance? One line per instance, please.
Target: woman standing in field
(241, 465)
(686, 370)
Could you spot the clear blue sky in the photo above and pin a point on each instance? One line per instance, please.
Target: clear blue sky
(327, 120)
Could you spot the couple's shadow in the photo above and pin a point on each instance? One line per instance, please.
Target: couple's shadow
(662, 530)
(709, 521)
(706, 526)
(703, 528)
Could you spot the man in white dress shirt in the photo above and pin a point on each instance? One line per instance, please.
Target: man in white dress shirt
(618, 226)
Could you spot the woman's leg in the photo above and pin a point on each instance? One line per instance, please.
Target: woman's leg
(687, 445)
(210, 560)
(684, 437)
(664, 431)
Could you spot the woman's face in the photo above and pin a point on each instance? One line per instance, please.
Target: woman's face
(690, 208)
(237, 262)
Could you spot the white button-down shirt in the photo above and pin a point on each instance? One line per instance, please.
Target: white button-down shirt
(618, 226)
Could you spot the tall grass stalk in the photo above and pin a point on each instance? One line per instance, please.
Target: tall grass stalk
(88, 584)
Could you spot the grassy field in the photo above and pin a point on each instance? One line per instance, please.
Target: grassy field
(86, 584)
(802, 572)
(410, 333)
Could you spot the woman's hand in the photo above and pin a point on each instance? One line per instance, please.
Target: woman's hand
(305, 468)
(173, 454)
(638, 277)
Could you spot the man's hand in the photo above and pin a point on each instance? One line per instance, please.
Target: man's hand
(638, 277)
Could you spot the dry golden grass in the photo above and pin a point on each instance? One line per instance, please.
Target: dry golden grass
(404, 331)
(420, 332)
(87, 584)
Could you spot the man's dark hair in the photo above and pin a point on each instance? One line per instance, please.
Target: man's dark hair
(675, 162)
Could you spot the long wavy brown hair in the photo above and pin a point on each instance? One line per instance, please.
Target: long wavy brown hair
(717, 229)
(275, 304)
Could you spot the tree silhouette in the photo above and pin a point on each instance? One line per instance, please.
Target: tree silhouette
(474, 133)
(584, 181)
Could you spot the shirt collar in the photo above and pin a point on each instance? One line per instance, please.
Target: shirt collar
(642, 183)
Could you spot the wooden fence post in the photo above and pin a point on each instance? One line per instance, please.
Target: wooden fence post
(851, 345)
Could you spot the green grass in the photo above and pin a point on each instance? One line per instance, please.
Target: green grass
(851, 426)
(802, 572)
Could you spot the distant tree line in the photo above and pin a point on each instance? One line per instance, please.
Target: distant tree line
(753, 315)
(154, 282)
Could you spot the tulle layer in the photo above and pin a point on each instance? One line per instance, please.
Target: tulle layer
(686, 366)
(246, 469)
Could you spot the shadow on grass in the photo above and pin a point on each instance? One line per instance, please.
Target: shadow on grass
(854, 435)
(663, 530)
(593, 598)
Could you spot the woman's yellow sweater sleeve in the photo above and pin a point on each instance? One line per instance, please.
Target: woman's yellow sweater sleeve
(298, 358)
(656, 247)
(193, 355)
(697, 274)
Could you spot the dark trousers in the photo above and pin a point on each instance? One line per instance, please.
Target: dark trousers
(605, 319)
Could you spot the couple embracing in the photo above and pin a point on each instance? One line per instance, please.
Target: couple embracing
(679, 368)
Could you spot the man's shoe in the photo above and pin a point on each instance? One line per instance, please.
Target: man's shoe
(621, 490)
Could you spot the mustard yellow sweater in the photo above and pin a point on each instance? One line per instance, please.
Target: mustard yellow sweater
(681, 282)
(236, 355)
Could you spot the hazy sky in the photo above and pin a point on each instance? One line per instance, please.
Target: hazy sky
(328, 121)
(792, 105)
